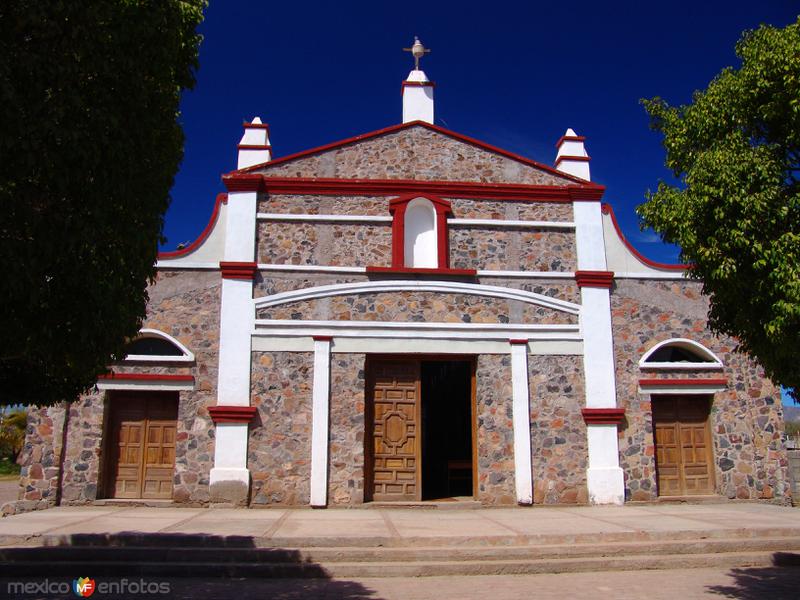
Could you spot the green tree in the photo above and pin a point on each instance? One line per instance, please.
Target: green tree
(12, 433)
(735, 210)
(89, 146)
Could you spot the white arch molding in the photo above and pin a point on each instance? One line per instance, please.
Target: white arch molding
(185, 357)
(420, 235)
(711, 360)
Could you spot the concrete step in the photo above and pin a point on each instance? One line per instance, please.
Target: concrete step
(405, 569)
(349, 554)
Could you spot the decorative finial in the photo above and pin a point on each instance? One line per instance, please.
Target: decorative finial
(417, 51)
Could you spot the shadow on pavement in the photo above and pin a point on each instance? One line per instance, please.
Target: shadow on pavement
(756, 583)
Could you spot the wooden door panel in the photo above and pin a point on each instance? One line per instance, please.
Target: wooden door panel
(683, 446)
(143, 430)
(395, 429)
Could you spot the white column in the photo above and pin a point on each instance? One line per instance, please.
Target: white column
(320, 422)
(521, 416)
(237, 320)
(604, 477)
(417, 98)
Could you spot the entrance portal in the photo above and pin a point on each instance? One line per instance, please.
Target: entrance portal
(420, 429)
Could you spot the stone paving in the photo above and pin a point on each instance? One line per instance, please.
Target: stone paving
(286, 524)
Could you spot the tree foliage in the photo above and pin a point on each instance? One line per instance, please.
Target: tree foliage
(89, 146)
(12, 433)
(735, 211)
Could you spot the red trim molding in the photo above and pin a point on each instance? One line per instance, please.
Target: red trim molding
(397, 208)
(322, 338)
(146, 377)
(607, 210)
(247, 125)
(248, 182)
(595, 279)
(238, 270)
(221, 199)
(232, 414)
(603, 416)
(683, 382)
(569, 138)
(422, 271)
(514, 342)
(572, 158)
(418, 84)
(432, 127)
(254, 147)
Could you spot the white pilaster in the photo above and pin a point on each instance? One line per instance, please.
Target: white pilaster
(417, 98)
(521, 417)
(572, 157)
(237, 319)
(605, 479)
(320, 422)
(254, 147)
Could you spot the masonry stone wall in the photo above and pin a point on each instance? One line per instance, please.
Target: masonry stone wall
(417, 307)
(746, 418)
(279, 448)
(507, 249)
(347, 430)
(558, 433)
(415, 153)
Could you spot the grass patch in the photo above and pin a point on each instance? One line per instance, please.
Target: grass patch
(8, 469)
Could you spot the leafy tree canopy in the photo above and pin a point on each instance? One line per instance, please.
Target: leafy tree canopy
(89, 146)
(735, 211)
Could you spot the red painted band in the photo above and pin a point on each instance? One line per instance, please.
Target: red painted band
(603, 416)
(418, 84)
(238, 270)
(247, 125)
(232, 414)
(421, 271)
(221, 199)
(517, 341)
(607, 210)
(254, 147)
(145, 377)
(570, 138)
(322, 338)
(395, 128)
(572, 158)
(595, 279)
(244, 182)
(683, 382)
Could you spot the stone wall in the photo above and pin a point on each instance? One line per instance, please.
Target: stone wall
(279, 449)
(417, 307)
(347, 429)
(417, 153)
(495, 432)
(500, 249)
(558, 433)
(746, 418)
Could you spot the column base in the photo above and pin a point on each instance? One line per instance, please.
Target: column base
(606, 485)
(229, 485)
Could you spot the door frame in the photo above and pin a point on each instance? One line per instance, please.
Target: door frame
(369, 462)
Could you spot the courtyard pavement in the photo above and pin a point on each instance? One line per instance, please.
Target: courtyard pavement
(331, 525)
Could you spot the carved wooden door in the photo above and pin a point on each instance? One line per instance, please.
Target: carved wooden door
(142, 445)
(684, 454)
(393, 417)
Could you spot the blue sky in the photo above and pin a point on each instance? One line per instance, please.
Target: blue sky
(514, 74)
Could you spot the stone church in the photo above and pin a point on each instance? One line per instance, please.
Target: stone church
(413, 315)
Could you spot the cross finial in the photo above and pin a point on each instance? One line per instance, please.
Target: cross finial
(417, 51)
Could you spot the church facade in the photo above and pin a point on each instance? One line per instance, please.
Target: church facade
(413, 315)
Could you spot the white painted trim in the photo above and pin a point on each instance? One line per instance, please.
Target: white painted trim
(682, 389)
(320, 423)
(605, 480)
(686, 344)
(188, 355)
(528, 274)
(452, 287)
(407, 330)
(680, 366)
(120, 383)
(324, 218)
(169, 264)
(598, 359)
(589, 243)
(236, 323)
(397, 345)
(312, 268)
(521, 418)
(670, 275)
(511, 223)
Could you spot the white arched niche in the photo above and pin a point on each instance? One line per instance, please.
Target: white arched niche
(420, 235)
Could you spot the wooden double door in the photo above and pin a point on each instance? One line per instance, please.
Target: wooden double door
(419, 438)
(141, 444)
(684, 448)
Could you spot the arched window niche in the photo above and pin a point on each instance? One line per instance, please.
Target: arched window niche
(680, 353)
(419, 232)
(152, 345)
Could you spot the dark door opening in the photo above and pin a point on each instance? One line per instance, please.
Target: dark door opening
(446, 415)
